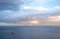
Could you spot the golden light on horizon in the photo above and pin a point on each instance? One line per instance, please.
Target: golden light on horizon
(34, 22)
(54, 18)
(30, 23)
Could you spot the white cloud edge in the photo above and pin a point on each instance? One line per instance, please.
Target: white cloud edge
(42, 8)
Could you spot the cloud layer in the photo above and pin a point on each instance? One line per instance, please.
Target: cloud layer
(12, 11)
(42, 9)
(10, 4)
(9, 15)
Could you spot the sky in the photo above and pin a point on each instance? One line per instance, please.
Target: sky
(12, 10)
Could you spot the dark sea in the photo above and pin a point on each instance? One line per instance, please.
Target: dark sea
(29, 32)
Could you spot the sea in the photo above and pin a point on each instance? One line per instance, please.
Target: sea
(29, 32)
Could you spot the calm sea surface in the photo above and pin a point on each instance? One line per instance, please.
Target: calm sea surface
(29, 32)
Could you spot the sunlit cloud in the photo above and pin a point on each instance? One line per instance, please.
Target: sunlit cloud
(42, 9)
(27, 7)
(15, 15)
(39, 9)
(54, 18)
(8, 13)
(51, 20)
(34, 22)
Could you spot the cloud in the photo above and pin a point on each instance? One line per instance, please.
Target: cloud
(54, 18)
(36, 8)
(7, 24)
(15, 15)
(10, 4)
(41, 9)
(50, 21)
(27, 7)
(11, 16)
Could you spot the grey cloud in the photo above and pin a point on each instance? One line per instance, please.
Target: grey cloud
(10, 16)
(10, 4)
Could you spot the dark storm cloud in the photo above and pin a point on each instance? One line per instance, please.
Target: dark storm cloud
(10, 4)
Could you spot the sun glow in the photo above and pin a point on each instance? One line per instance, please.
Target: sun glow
(54, 18)
(34, 22)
